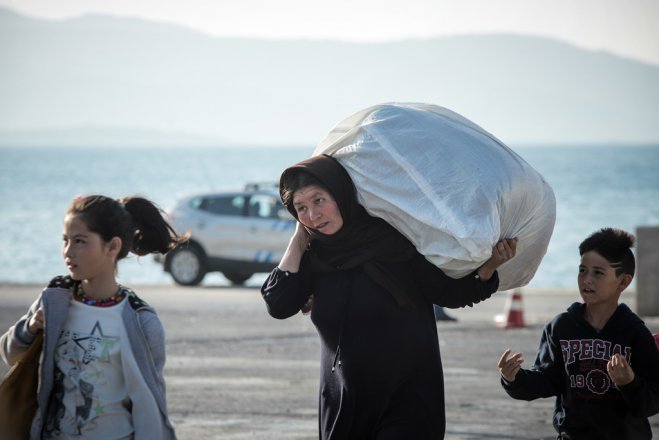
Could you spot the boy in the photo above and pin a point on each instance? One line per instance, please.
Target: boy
(598, 358)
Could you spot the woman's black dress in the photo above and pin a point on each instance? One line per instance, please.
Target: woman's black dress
(381, 371)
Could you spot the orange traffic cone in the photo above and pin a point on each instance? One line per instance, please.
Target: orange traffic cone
(514, 314)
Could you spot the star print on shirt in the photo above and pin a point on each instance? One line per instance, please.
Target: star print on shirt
(96, 348)
(99, 409)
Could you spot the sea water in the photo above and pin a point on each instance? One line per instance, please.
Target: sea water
(594, 187)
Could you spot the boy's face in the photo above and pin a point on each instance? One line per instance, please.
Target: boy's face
(598, 282)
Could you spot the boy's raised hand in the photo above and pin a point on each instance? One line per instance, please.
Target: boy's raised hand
(510, 365)
(619, 370)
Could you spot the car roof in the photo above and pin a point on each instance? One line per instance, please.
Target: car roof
(268, 188)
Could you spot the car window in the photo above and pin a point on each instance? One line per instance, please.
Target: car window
(223, 205)
(264, 206)
(196, 202)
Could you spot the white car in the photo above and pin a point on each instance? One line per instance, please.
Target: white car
(237, 233)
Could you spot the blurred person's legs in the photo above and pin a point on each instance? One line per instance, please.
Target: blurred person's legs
(440, 314)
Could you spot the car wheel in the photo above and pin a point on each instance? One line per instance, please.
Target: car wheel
(187, 265)
(236, 278)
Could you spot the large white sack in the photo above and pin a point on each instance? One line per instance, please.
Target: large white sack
(449, 186)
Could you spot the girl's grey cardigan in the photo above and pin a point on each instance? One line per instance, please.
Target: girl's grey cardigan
(147, 341)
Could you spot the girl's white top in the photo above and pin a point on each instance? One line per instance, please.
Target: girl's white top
(93, 398)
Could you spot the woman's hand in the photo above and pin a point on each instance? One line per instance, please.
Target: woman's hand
(301, 237)
(297, 246)
(509, 366)
(619, 370)
(36, 322)
(503, 251)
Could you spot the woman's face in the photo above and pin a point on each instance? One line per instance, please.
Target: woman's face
(316, 209)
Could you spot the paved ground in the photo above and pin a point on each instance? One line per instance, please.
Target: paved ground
(235, 373)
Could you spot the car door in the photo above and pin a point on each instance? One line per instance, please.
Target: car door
(221, 225)
(268, 231)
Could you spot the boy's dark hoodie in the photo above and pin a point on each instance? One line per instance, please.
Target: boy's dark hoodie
(571, 365)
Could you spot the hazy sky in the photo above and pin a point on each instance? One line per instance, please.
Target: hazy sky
(623, 27)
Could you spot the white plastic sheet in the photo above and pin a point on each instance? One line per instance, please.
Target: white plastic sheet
(449, 186)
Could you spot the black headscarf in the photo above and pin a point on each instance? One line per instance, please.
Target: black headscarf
(363, 240)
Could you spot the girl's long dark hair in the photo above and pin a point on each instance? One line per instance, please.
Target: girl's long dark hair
(138, 222)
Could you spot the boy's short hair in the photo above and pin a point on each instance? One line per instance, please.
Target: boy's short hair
(615, 246)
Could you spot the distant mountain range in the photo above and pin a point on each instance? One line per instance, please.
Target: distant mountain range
(109, 80)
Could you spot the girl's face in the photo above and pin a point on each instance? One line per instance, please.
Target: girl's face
(598, 282)
(316, 209)
(85, 253)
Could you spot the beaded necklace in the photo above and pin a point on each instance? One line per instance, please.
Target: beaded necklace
(79, 295)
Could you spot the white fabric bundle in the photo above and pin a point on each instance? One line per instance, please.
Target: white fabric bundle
(449, 186)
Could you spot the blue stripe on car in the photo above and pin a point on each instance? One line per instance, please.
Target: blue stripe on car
(282, 225)
(263, 257)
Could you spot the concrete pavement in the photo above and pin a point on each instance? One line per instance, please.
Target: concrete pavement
(235, 373)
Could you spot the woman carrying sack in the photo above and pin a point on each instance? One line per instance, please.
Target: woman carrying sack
(370, 295)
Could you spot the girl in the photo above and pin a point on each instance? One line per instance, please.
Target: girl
(370, 294)
(101, 373)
